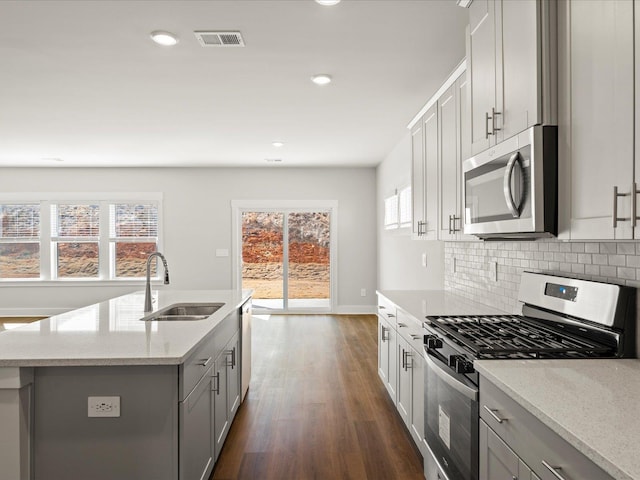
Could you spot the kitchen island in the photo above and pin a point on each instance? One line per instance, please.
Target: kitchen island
(167, 385)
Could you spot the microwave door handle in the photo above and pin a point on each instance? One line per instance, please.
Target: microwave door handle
(470, 393)
(508, 194)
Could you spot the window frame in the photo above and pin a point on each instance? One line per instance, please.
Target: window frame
(397, 221)
(47, 242)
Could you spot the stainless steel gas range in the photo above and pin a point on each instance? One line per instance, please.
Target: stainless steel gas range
(561, 318)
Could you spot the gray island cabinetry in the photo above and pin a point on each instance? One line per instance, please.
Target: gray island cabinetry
(129, 399)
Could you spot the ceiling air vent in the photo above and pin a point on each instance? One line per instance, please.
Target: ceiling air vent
(220, 39)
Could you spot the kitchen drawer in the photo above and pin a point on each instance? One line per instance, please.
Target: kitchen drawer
(192, 370)
(387, 310)
(533, 441)
(410, 329)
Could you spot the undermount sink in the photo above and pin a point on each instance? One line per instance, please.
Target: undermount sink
(183, 312)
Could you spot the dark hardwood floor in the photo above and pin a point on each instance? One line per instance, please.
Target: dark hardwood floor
(316, 408)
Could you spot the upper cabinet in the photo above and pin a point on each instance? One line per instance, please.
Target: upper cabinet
(511, 66)
(597, 109)
(440, 142)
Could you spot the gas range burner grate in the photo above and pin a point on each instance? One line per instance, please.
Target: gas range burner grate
(514, 336)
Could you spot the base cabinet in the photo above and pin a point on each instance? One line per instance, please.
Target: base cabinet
(497, 460)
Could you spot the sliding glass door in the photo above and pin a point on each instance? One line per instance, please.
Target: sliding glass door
(286, 257)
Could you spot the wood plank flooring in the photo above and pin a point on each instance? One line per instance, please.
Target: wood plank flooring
(316, 408)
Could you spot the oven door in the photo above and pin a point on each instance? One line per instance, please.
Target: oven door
(451, 418)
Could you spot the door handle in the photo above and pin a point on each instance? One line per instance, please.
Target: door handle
(217, 387)
(494, 129)
(617, 219)
(486, 125)
(494, 415)
(506, 186)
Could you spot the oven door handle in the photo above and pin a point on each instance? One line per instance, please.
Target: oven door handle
(506, 187)
(469, 392)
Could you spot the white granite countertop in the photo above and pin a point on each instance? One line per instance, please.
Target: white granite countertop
(593, 404)
(420, 303)
(111, 333)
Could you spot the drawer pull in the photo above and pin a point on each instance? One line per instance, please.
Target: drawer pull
(554, 471)
(402, 325)
(217, 387)
(381, 307)
(415, 337)
(204, 363)
(391, 315)
(494, 415)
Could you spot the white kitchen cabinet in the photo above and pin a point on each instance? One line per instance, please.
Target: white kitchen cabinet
(417, 179)
(221, 404)
(511, 65)
(387, 345)
(424, 185)
(596, 134)
(450, 166)
(403, 403)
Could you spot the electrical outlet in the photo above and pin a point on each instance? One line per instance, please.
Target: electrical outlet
(424, 260)
(493, 271)
(104, 407)
(363, 292)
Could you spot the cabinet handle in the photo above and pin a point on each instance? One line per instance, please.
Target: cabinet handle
(383, 337)
(402, 325)
(494, 415)
(381, 307)
(407, 361)
(634, 207)
(422, 228)
(454, 219)
(617, 219)
(486, 125)
(232, 352)
(204, 363)
(449, 224)
(494, 129)
(217, 387)
(415, 337)
(391, 315)
(554, 470)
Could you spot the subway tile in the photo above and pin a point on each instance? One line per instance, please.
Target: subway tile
(577, 247)
(626, 273)
(633, 261)
(584, 258)
(608, 247)
(600, 259)
(592, 248)
(565, 247)
(607, 271)
(592, 269)
(571, 257)
(554, 247)
(626, 248)
(543, 246)
(617, 260)
(577, 268)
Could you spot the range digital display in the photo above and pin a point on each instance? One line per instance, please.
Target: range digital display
(561, 291)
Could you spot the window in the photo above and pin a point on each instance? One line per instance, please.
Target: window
(397, 210)
(19, 241)
(391, 212)
(80, 238)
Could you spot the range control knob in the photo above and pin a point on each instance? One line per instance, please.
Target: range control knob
(432, 341)
(461, 364)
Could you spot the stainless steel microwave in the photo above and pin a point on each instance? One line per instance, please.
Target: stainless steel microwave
(511, 189)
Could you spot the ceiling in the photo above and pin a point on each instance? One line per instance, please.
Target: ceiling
(82, 84)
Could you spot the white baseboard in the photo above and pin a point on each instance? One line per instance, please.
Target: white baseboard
(356, 309)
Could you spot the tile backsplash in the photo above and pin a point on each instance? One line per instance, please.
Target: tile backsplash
(489, 272)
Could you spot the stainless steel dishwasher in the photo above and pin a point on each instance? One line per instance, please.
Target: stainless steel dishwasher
(246, 347)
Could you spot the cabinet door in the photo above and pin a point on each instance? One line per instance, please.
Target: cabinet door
(404, 381)
(481, 65)
(497, 460)
(233, 377)
(601, 115)
(417, 177)
(464, 139)
(449, 163)
(196, 431)
(636, 12)
(518, 88)
(416, 364)
(430, 126)
(392, 378)
(221, 422)
(383, 351)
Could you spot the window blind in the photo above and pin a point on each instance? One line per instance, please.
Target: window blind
(405, 207)
(391, 212)
(20, 221)
(73, 221)
(133, 220)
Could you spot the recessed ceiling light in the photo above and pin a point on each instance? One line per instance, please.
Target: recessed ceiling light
(166, 39)
(328, 3)
(277, 144)
(321, 79)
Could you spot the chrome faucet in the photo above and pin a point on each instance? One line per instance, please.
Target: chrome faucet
(148, 306)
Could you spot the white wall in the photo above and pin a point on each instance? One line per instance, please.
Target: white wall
(400, 257)
(197, 220)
